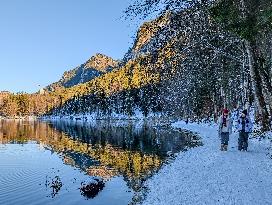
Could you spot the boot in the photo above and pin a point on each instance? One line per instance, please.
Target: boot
(225, 147)
(222, 147)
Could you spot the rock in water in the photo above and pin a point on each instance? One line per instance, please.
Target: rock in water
(91, 189)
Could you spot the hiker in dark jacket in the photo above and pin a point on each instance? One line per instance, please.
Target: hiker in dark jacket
(225, 129)
(244, 126)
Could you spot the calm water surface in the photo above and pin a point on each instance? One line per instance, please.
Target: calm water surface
(47, 162)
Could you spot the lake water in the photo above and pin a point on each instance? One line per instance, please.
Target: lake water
(49, 162)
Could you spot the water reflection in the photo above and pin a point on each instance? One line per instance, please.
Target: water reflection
(100, 149)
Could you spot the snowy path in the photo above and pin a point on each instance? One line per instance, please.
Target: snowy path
(205, 175)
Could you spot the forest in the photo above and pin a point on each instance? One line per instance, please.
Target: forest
(194, 59)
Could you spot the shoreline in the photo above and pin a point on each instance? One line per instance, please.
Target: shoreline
(205, 175)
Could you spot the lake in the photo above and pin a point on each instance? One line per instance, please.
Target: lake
(69, 162)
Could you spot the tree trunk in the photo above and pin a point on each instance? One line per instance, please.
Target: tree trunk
(267, 88)
(254, 66)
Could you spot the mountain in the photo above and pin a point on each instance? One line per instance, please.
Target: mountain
(96, 66)
(149, 35)
(175, 67)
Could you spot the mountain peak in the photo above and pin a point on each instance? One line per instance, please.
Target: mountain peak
(97, 65)
(149, 29)
(101, 62)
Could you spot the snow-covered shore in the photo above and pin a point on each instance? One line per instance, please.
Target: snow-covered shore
(154, 119)
(205, 175)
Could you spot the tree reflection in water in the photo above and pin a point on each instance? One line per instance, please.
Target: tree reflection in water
(101, 149)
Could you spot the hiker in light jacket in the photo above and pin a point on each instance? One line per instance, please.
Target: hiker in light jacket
(225, 129)
(244, 126)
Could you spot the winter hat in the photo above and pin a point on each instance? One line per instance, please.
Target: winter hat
(226, 111)
(245, 112)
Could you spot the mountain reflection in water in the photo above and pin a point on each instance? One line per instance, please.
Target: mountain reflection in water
(100, 149)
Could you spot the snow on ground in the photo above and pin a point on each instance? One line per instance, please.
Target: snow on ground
(206, 175)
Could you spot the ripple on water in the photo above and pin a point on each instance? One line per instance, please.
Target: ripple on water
(20, 169)
(17, 181)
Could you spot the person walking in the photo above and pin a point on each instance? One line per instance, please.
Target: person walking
(225, 129)
(244, 126)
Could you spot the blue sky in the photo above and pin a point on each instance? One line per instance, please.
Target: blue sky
(40, 39)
